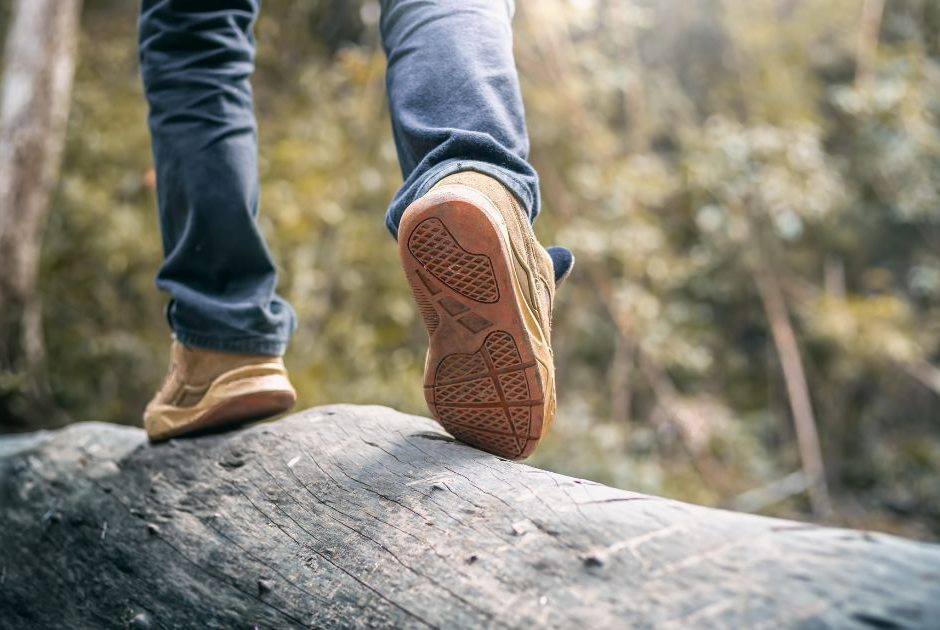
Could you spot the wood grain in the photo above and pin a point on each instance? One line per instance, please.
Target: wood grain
(361, 517)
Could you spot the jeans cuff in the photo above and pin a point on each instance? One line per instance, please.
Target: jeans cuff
(241, 345)
(506, 177)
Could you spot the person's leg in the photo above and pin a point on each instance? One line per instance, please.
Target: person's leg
(454, 97)
(196, 57)
(482, 282)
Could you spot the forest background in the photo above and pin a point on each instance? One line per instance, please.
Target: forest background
(752, 190)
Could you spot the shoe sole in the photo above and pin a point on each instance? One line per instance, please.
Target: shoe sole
(488, 373)
(218, 410)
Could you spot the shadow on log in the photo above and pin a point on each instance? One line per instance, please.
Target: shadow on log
(364, 517)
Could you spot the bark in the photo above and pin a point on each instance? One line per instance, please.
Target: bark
(39, 63)
(363, 517)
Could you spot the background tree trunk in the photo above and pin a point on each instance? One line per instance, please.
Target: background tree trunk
(39, 63)
(364, 517)
(794, 376)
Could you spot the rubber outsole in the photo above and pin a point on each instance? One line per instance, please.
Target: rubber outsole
(483, 382)
(230, 413)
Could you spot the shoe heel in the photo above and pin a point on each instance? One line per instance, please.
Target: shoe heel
(482, 379)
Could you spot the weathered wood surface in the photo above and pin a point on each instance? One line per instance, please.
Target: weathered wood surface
(363, 517)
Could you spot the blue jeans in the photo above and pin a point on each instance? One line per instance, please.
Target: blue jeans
(455, 105)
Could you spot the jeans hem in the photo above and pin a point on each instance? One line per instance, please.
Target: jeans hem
(444, 169)
(243, 345)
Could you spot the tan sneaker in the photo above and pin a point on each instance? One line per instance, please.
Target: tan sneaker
(207, 389)
(484, 287)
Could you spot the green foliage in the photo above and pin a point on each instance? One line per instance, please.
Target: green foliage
(681, 145)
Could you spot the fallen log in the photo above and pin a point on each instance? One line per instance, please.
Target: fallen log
(364, 517)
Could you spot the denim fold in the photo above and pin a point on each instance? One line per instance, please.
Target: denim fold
(455, 105)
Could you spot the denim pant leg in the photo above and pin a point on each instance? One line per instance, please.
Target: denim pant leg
(454, 97)
(196, 57)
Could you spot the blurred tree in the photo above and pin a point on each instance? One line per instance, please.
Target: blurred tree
(708, 171)
(39, 63)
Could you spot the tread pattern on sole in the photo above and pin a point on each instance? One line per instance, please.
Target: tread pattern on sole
(470, 275)
(483, 398)
(425, 306)
(429, 299)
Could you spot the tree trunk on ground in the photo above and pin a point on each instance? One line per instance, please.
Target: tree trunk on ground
(363, 517)
(39, 63)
